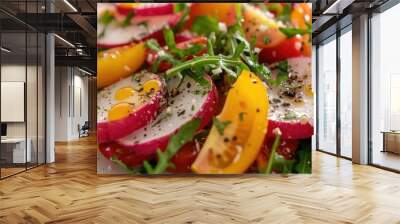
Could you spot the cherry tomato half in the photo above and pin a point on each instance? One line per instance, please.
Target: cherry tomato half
(289, 48)
(184, 158)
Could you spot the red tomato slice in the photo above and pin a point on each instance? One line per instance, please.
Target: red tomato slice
(184, 158)
(290, 48)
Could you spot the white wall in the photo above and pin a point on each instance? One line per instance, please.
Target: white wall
(70, 83)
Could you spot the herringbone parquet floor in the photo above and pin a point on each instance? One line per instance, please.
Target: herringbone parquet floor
(69, 191)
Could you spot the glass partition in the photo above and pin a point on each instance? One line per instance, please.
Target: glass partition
(385, 89)
(346, 92)
(22, 77)
(327, 96)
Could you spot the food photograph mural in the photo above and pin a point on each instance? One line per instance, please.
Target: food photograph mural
(204, 88)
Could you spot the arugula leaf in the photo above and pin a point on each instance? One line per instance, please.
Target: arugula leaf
(291, 31)
(275, 146)
(106, 18)
(283, 165)
(266, 40)
(220, 125)
(205, 25)
(181, 7)
(284, 16)
(283, 73)
(129, 170)
(181, 53)
(153, 45)
(290, 115)
(128, 19)
(303, 155)
(184, 135)
(241, 116)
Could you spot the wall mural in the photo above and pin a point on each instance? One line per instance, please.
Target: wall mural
(204, 88)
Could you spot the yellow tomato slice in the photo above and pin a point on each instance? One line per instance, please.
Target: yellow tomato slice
(223, 12)
(301, 15)
(117, 63)
(265, 29)
(245, 110)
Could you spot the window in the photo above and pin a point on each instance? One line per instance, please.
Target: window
(327, 96)
(385, 89)
(346, 92)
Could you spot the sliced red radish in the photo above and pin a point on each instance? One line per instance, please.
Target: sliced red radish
(291, 103)
(190, 100)
(141, 28)
(145, 9)
(128, 105)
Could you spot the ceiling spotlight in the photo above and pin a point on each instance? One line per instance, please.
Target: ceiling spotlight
(5, 49)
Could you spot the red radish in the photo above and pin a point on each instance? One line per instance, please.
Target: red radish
(142, 28)
(128, 105)
(188, 101)
(292, 103)
(145, 9)
(113, 150)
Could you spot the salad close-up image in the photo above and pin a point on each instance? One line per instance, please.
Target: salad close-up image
(204, 88)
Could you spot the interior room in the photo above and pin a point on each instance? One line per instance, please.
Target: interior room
(49, 149)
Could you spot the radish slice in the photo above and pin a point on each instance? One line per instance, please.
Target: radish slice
(291, 109)
(146, 9)
(142, 28)
(128, 105)
(188, 101)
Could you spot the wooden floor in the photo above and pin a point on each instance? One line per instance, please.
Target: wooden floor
(69, 191)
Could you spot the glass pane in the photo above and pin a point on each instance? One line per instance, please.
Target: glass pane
(314, 78)
(386, 89)
(41, 98)
(346, 94)
(32, 96)
(327, 96)
(13, 86)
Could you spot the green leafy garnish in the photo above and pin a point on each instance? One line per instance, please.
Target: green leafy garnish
(290, 115)
(162, 55)
(205, 25)
(181, 7)
(128, 19)
(291, 31)
(284, 16)
(106, 18)
(241, 116)
(180, 53)
(184, 135)
(283, 74)
(127, 169)
(220, 125)
(282, 165)
(304, 157)
(266, 40)
(275, 146)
